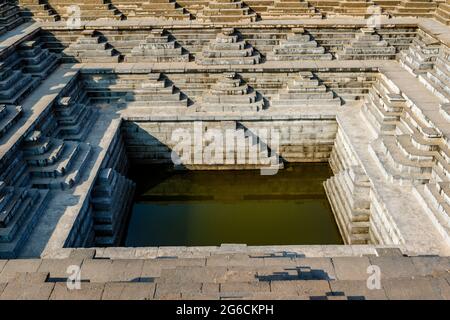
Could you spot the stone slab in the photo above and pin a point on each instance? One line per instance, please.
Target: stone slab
(128, 291)
(356, 290)
(88, 291)
(351, 268)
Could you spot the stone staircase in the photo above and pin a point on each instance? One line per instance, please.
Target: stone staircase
(9, 115)
(88, 9)
(109, 208)
(223, 11)
(157, 93)
(38, 10)
(20, 208)
(298, 46)
(421, 54)
(305, 91)
(37, 60)
(167, 9)
(443, 12)
(367, 45)
(437, 79)
(228, 48)
(54, 163)
(159, 46)
(14, 84)
(231, 94)
(74, 118)
(90, 47)
(349, 191)
(10, 16)
(358, 8)
(285, 9)
(417, 8)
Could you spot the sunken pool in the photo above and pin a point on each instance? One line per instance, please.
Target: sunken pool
(205, 208)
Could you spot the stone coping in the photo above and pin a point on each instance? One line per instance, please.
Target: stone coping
(139, 23)
(312, 251)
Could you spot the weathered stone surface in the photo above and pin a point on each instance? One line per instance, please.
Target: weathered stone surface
(351, 268)
(356, 290)
(88, 291)
(128, 291)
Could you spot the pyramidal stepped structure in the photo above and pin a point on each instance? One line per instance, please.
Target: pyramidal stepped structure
(291, 8)
(92, 47)
(227, 11)
(367, 45)
(158, 93)
(305, 91)
(229, 48)
(232, 94)
(159, 46)
(298, 46)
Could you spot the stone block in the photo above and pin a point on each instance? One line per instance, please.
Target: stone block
(88, 291)
(351, 268)
(356, 290)
(128, 291)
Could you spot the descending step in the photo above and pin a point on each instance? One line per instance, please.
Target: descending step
(9, 115)
(421, 54)
(109, 207)
(167, 9)
(91, 47)
(159, 46)
(298, 46)
(305, 90)
(367, 45)
(37, 60)
(228, 48)
(158, 93)
(20, 209)
(54, 163)
(232, 94)
(438, 78)
(418, 8)
(442, 13)
(14, 85)
(9, 15)
(38, 10)
(75, 119)
(226, 11)
(87, 9)
(288, 9)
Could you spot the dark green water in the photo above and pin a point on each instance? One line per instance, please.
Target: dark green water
(197, 208)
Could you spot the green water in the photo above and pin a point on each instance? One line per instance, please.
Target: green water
(199, 208)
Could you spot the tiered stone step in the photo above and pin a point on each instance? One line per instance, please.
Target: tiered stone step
(167, 9)
(387, 5)
(421, 54)
(348, 192)
(438, 78)
(383, 108)
(443, 12)
(354, 8)
(109, 207)
(232, 94)
(38, 10)
(291, 8)
(158, 47)
(367, 46)
(75, 119)
(298, 46)
(89, 9)
(9, 115)
(436, 200)
(9, 15)
(20, 209)
(305, 91)
(91, 47)
(325, 6)
(158, 93)
(229, 48)
(227, 11)
(259, 6)
(54, 163)
(37, 60)
(14, 85)
(419, 8)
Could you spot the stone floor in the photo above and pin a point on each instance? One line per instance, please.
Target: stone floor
(228, 276)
